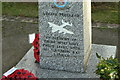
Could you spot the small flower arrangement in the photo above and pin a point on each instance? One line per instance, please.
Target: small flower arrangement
(36, 44)
(108, 69)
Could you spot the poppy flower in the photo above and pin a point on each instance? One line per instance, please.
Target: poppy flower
(35, 42)
(37, 35)
(36, 46)
(37, 57)
(35, 50)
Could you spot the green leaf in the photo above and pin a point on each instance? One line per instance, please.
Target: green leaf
(98, 56)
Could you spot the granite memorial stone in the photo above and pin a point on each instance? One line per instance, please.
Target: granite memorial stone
(65, 31)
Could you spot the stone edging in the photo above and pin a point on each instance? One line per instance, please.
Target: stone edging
(105, 25)
(19, 19)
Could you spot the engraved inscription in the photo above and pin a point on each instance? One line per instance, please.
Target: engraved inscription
(61, 48)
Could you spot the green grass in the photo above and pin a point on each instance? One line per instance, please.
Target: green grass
(20, 9)
(106, 16)
(106, 13)
(101, 12)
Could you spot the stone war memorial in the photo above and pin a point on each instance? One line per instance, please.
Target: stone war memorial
(65, 35)
(66, 49)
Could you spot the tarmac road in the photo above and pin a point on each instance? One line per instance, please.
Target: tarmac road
(15, 42)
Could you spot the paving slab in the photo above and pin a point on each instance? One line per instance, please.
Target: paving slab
(27, 62)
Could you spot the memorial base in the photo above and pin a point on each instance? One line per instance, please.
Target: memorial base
(28, 63)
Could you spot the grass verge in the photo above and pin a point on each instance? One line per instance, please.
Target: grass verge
(20, 9)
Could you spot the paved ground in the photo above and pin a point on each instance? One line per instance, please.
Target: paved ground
(15, 38)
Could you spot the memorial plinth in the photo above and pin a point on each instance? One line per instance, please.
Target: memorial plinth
(65, 35)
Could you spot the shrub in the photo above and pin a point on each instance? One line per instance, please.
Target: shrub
(108, 68)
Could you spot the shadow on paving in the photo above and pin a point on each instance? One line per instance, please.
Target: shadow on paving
(15, 40)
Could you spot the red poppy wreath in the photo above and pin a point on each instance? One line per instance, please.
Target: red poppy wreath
(20, 74)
